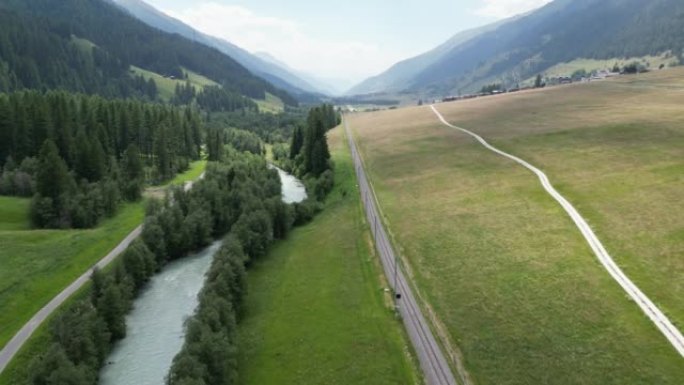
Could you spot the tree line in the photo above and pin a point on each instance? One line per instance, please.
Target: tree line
(309, 152)
(271, 128)
(79, 156)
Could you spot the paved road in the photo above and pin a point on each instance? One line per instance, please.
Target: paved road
(432, 360)
(13, 346)
(673, 335)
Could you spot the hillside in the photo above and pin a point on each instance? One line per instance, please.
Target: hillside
(559, 32)
(397, 77)
(38, 51)
(278, 75)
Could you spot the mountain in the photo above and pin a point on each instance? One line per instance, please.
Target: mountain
(324, 86)
(399, 76)
(559, 32)
(272, 70)
(90, 46)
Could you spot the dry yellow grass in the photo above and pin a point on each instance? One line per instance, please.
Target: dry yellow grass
(504, 268)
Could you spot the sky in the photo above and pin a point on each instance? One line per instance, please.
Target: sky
(342, 42)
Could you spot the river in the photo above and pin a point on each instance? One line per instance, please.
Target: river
(155, 332)
(293, 190)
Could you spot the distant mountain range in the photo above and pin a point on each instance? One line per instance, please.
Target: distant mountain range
(270, 69)
(517, 49)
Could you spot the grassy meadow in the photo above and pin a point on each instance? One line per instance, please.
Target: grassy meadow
(14, 213)
(315, 311)
(272, 104)
(501, 264)
(193, 172)
(37, 264)
(589, 65)
(616, 150)
(167, 86)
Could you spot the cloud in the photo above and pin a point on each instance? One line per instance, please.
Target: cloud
(287, 41)
(500, 9)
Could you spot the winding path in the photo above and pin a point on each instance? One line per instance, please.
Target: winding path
(673, 335)
(19, 339)
(431, 358)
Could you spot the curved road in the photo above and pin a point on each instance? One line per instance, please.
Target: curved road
(13, 346)
(432, 360)
(673, 335)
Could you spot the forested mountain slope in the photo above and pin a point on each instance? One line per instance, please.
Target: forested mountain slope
(277, 75)
(40, 40)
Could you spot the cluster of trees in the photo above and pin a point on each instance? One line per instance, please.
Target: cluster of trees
(309, 146)
(243, 140)
(491, 88)
(242, 196)
(183, 94)
(41, 54)
(219, 99)
(239, 140)
(82, 335)
(209, 355)
(634, 67)
(271, 128)
(79, 156)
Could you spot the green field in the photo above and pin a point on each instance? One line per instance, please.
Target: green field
(316, 312)
(501, 264)
(196, 169)
(37, 264)
(14, 213)
(167, 86)
(589, 65)
(272, 104)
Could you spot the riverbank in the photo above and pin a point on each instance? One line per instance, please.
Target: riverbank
(155, 327)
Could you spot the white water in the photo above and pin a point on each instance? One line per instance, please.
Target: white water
(155, 332)
(292, 188)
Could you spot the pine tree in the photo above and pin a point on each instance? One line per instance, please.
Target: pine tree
(297, 142)
(53, 177)
(6, 130)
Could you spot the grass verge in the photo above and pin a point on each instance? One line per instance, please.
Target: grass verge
(316, 312)
(194, 171)
(14, 213)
